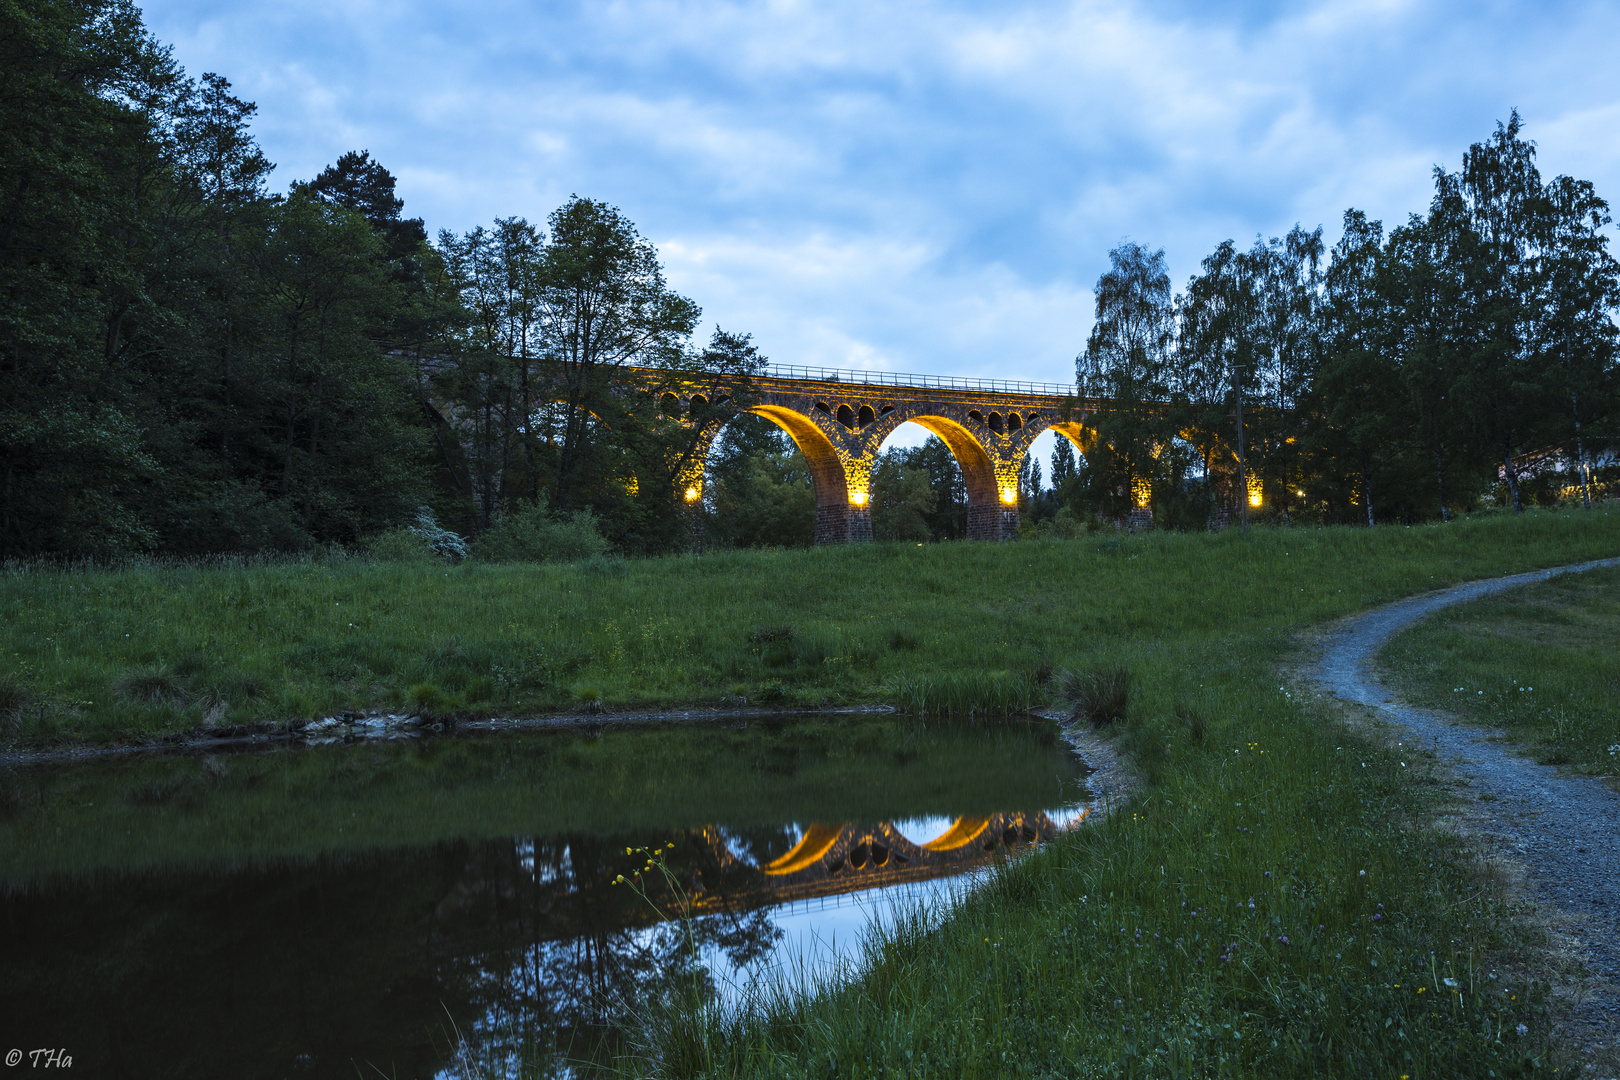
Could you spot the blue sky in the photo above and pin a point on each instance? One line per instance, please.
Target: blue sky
(913, 186)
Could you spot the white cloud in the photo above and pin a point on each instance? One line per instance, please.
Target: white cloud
(917, 185)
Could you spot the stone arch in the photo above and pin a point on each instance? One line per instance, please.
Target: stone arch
(1080, 435)
(826, 470)
(978, 473)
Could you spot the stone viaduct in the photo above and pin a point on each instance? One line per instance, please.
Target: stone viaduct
(839, 419)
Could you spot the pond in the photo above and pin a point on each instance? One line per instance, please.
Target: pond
(356, 908)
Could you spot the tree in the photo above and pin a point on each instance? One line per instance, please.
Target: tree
(1490, 214)
(344, 443)
(1220, 348)
(1288, 286)
(902, 499)
(1580, 287)
(498, 390)
(1127, 361)
(602, 305)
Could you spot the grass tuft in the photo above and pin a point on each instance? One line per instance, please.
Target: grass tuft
(1100, 697)
(1194, 721)
(15, 696)
(152, 684)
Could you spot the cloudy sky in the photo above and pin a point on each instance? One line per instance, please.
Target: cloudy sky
(914, 186)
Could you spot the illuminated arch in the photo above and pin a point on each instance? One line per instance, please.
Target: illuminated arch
(810, 849)
(826, 468)
(963, 831)
(978, 471)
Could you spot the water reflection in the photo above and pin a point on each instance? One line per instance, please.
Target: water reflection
(307, 957)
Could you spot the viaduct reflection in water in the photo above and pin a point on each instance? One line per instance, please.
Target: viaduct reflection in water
(559, 943)
(321, 968)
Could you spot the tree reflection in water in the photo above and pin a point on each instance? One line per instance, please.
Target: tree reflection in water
(537, 929)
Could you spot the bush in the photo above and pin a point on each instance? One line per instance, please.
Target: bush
(425, 539)
(533, 534)
(402, 546)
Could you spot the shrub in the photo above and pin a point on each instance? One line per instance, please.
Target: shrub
(534, 534)
(402, 546)
(1100, 697)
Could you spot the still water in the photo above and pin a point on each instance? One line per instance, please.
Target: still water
(376, 908)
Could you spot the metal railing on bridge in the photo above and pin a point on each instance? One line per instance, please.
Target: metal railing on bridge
(930, 382)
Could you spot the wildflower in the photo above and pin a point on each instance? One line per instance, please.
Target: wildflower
(1451, 983)
(1522, 1030)
(1361, 873)
(1283, 939)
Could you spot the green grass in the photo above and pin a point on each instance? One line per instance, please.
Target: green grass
(1054, 967)
(104, 656)
(1538, 662)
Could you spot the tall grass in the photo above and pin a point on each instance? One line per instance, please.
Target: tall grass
(1270, 905)
(278, 642)
(1538, 661)
(964, 694)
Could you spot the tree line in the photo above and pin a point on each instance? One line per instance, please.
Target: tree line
(192, 363)
(1466, 356)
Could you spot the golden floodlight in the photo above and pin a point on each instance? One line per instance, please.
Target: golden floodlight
(858, 498)
(1255, 489)
(691, 494)
(1009, 495)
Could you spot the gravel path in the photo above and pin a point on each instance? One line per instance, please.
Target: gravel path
(1565, 830)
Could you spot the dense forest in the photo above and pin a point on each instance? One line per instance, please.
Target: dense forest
(192, 363)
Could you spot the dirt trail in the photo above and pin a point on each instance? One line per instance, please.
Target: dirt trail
(1565, 830)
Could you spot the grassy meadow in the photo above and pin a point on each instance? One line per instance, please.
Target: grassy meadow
(1538, 662)
(100, 656)
(1271, 904)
